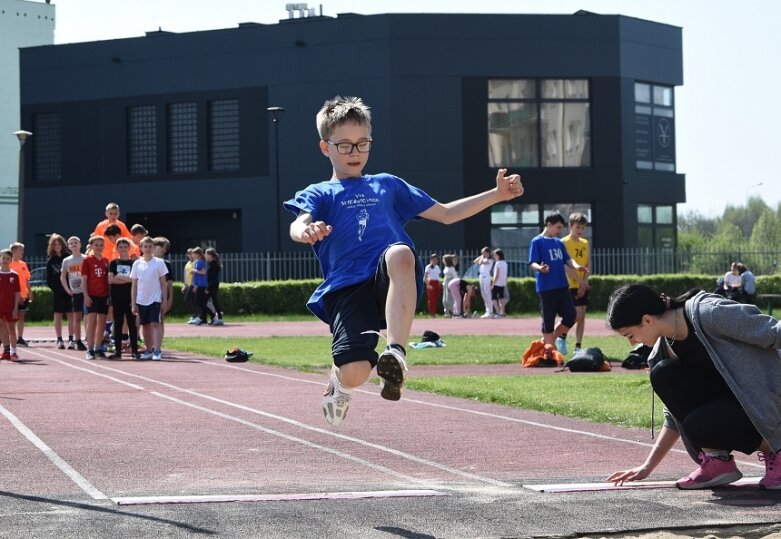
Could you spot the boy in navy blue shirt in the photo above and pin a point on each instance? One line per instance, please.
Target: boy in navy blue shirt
(549, 258)
(372, 277)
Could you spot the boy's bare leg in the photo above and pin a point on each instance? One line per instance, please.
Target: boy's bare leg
(402, 293)
(354, 374)
(580, 322)
(20, 326)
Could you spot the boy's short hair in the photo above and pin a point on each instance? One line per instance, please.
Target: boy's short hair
(577, 218)
(16, 245)
(6, 252)
(123, 241)
(138, 229)
(146, 239)
(113, 230)
(112, 206)
(162, 241)
(74, 238)
(198, 251)
(341, 110)
(93, 239)
(554, 218)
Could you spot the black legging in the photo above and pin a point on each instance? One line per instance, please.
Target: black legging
(200, 301)
(214, 294)
(704, 406)
(123, 312)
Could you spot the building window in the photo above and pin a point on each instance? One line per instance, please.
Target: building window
(656, 226)
(142, 140)
(47, 147)
(516, 224)
(539, 123)
(654, 127)
(223, 130)
(182, 126)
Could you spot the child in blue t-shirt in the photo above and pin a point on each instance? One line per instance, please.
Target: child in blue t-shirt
(549, 258)
(372, 277)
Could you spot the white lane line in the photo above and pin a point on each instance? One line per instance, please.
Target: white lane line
(298, 424)
(64, 467)
(255, 426)
(295, 439)
(221, 498)
(593, 487)
(480, 413)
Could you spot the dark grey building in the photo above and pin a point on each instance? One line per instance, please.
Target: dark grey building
(175, 128)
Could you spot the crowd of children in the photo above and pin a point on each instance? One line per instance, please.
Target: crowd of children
(123, 282)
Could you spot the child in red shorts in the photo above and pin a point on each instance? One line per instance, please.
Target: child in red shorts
(10, 296)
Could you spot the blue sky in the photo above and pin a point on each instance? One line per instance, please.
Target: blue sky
(727, 112)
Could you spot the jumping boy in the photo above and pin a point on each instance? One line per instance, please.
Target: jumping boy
(578, 248)
(26, 293)
(372, 277)
(548, 257)
(148, 295)
(10, 297)
(71, 282)
(94, 275)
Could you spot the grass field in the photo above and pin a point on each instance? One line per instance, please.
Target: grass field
(620, 399)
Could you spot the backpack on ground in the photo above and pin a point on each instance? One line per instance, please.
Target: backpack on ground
(588, 360)
(538, 355)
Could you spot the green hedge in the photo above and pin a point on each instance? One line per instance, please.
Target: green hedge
(289, 297)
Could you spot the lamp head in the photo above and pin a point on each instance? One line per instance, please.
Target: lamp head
(275, 112)
(22, 135)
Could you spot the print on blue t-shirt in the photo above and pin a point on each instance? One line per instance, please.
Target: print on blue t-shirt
(550, 251)
(367, 215)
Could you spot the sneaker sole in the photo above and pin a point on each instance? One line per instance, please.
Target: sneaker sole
(393, 375)
(718, 481)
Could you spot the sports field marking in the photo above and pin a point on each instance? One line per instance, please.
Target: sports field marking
(55, 459)
(485, 414)
(272, 432)
(219, 498)
(640, 485)
(298, 424)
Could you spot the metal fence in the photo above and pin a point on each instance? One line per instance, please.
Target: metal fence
(242, 267)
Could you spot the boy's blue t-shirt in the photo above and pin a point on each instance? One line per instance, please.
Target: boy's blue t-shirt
(367, 215)
(550, 251)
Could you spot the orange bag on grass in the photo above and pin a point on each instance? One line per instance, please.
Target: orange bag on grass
(540, 355)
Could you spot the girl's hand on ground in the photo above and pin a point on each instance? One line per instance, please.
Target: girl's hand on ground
(634, 474)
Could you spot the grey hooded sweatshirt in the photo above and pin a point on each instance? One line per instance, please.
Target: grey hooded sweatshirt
(745, 346)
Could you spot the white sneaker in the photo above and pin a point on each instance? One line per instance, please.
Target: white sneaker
(336, 400)
(146, 356)
(487, 315)
(392, 370)
(157, 356)
(561, 345)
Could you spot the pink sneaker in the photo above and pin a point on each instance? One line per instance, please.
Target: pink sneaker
(772, 479)
(713, 472)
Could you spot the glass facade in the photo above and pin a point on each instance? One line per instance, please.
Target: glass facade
(539, 123)
(654, 127)
(656, 226)
(514, 224)
(47, 147)
(223, 132)
(142, 140)
(182, 138)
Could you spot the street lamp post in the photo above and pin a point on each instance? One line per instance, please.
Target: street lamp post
(276, 114)
(749, 188)
(22, 136)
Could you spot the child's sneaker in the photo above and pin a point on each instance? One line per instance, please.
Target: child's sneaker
(146, 356)
(14, 357)
(21, 342)
(89, 355)
(157, 356)
(772, 479)
(561, 345)
(71, 345)
(60, 344)
(713, 472)
(81, 346)
(392, 370)
(6, 355)
(335, 400)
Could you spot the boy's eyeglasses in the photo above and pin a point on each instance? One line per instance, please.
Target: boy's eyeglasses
(346, 148)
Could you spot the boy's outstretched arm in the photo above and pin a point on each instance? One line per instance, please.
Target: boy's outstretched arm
(303, 230)
(507, 188)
